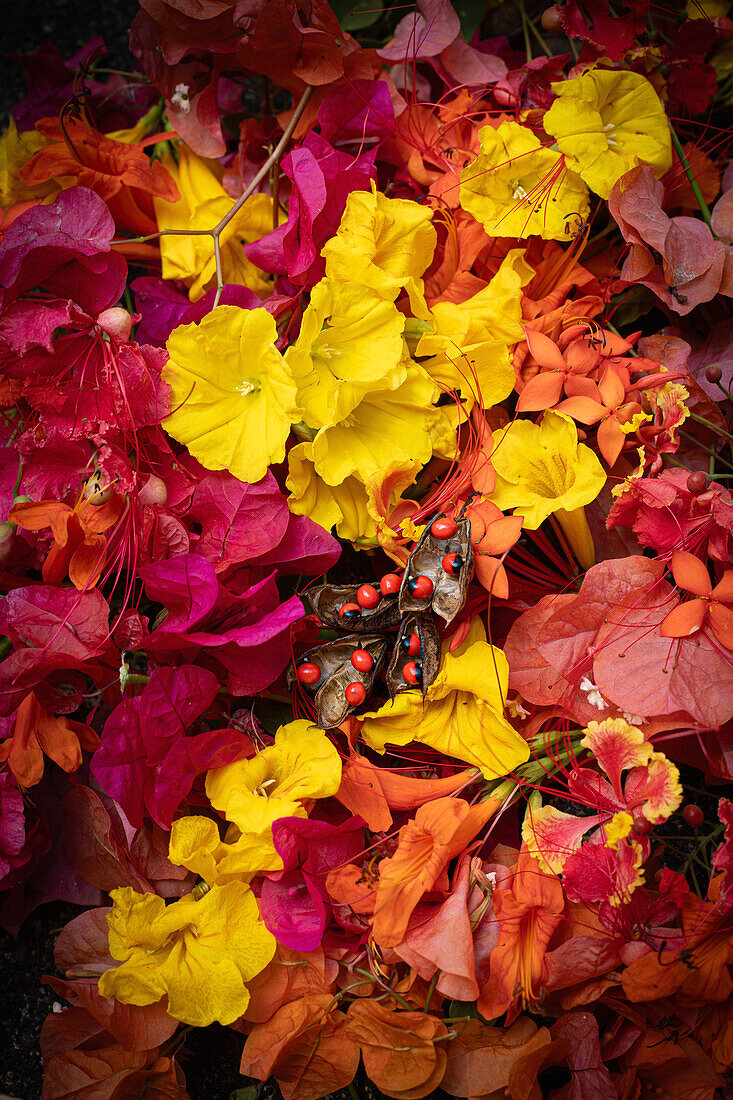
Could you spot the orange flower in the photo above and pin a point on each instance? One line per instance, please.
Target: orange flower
(37, 732)
(603, 403)
(492, 534)
(439, 831)
(120, 172)
(528, 914)
(80, 547)
(712, 604)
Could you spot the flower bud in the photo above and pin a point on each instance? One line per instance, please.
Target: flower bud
(116, 322)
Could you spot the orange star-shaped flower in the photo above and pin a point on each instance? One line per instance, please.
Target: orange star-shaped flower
(712, 603)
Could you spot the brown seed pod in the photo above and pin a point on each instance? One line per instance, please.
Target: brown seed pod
(449, 590)
(337, 673)
(428, 656)
(327, 599)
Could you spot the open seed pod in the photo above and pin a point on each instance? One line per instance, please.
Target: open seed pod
(410, 657)
(446, 592)
(328, 599)
(337, 673)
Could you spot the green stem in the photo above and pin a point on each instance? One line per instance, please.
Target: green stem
(431, 989)
(525, 28)
(704, 209)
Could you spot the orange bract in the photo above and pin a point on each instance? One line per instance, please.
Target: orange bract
(36, 732)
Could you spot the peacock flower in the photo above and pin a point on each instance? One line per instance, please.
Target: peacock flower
(390, 425)
(542, 470)
(462, 714)
(195, 844)
(203, 203)
(302, 764)
(197, 952)
(232, 394)
(468, 343)
(120, 172)
(651, 789)
(350, 341)
(382, 243)
(712, 604)
(607, 122)
(518, 188)
(15, 152)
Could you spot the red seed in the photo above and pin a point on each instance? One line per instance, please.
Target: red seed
(350, 611)
(308, 673)
(362, 660)
(551, 21)
(411, 644)
(355, 694)
(421, 587)
(412, 672)
(697, 483)
(367, 596)
(390, 584)
(693, 815)
(452, 564)
(444, 528)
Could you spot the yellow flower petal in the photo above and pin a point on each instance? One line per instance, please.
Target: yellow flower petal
(606, 122)
(15, 151)
(462, 714)
(382, 243)
(344, 506)
(197, 952)
(302, 764)
(390, 425)
(517, 188)
(541, 468)
(350, 342)
(232, 394)
(195, 844)
(202, 204)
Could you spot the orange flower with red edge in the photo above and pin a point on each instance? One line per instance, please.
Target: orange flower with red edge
(120, 172)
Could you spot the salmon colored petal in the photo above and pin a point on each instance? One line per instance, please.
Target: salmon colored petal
(544, 350)
(500, 535)
(35, 515)
(578, 386)
(723, 591)
(685, 619)
(541, 392)
(610, 438)
(721, 622)
(582, 409)
(690, 574)
(491, 575)
(612, 389)
(87, 562)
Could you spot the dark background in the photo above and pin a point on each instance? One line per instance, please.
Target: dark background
(68, 24)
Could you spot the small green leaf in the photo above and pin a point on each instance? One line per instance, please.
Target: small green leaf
(470, 13)
(354, 15)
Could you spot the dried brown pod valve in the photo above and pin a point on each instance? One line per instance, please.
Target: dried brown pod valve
(338, 673)
(446, 594)
(404, 654)
(328, 600)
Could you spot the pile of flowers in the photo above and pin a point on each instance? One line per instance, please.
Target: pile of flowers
(367, 629)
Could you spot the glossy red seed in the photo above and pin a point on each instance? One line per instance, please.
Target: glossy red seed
(411, 644)
(350, 611)
(697, 483)
(362, 660)
(390, 584)
(367, 596)
(641, 826)
(693, 815)
(412, 672)
(355, 694)
(421, 587)
(452, 563)
(444, 528)
(308, 673)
